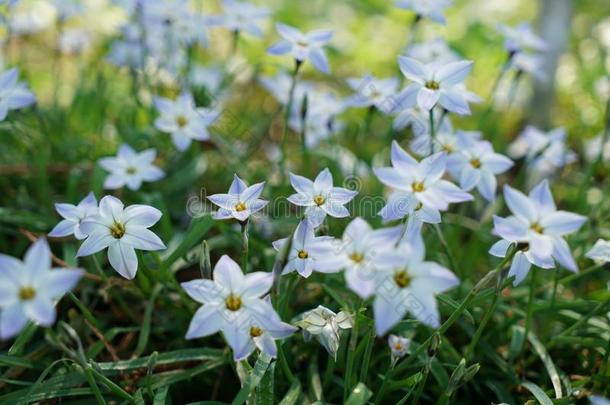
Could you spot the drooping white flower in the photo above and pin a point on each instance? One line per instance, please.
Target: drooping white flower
(303, 46)
(410, 287)
(476, 165)
(544, 152)
(183, 120)
(130, 168)
(239, 16)
(600, 251)
(233, 304)
(309, 253)
(73, 216)
(121, 230)
(13, 94)
(419, 187)
(373, 92)
(434, 84)
(538, 228)
(399, 346)
(30, 288)
(432, 9)
(241, 201)
(326, 326)
(521, 38)
(320, 197)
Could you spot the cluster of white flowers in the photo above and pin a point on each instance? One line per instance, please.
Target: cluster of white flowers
(387, 265)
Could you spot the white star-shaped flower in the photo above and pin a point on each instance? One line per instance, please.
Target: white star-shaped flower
(130, 168)
(432, 9)
(239, 16)
(410, 287)
(420, 189)
(183, 120)
(436, 84)
(303, 46)
(310, 253)
(320, 197)
(121, 230)
(73, 217)
(538, 228)
(30, 288)
(233, 304)
(476, 165)
(13, 94)
(241, 201)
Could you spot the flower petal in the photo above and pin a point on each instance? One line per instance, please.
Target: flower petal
(123, 259)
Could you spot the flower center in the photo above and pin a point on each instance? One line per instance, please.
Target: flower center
(476, 163)
(302, 43)
(181, 121)
(131, 170)
(319, 200)
(402, 278)
(398, 346)
(448, 148)
(117, 230)
(417, 187)
(432, 85)
(536, 227)
(302, 254)
(240, 206)
(356, 257)
(255, 331)
(233, 302)
(27, 293)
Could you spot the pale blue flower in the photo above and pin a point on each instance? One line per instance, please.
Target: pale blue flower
(121, 230)
(538, 228)
(29, 289)
(303, 46)
(233, 304)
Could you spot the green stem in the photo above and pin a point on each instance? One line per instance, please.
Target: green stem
(555, 283)
(530, 304)
(431, 122)
(244, 245)
(351, 354)
(367, 356)
(287, 117)
(484, 321)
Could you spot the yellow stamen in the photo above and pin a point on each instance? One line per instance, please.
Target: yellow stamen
(432, 85)
(27, 293)
(302, 254)
(131, 170)
(117, 230)
(319, 200)
(536, 228)
(240, 207)
(402, 278)
(476, 163)
(255, 331)
(233, 302)
(417, 186)
(356, 257)
(182, 121)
